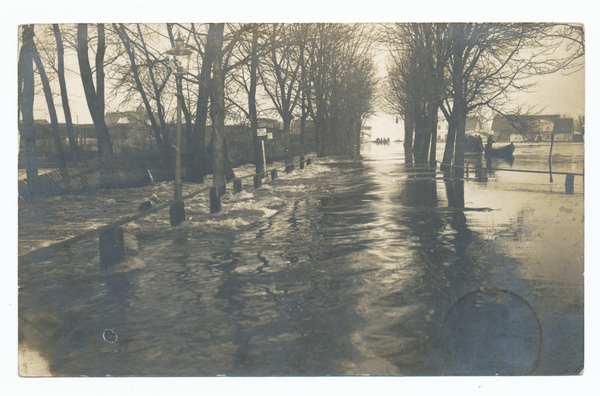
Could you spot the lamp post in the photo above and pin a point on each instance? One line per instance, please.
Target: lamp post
(179, 57)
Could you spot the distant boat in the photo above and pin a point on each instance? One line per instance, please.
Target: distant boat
(382, 141)
(505, 152)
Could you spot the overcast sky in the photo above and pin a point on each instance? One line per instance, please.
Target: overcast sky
(555, 94)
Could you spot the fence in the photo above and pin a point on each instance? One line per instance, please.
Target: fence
(481, 172)
(135, 169)
(111, 171)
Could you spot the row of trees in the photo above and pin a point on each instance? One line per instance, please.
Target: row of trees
(461, 68)
(321, 72)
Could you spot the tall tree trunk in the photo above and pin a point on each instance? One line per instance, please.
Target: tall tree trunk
(427, 130)
(419, 146)
(26, 94)
(304, 112)
(449, 147)
(59, 155)
(287, 141)
(450, 138)
(358, 140)
(100, 51)
(303, 126)
(459, 107)
(459, 153)
(318, 138)
(218, 105)
(95, 100)
(63, 92)
(199, 158)
(408, 136)
(433, 117)
(256, 143)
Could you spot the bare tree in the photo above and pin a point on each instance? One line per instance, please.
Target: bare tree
(258, 163)
(94, 94)
(280, 77)
(58, 149)
(26, 94)
(60, 51)
(483, 65)
(337, 52)
(218, 102)
(415, 84)
(149, 63)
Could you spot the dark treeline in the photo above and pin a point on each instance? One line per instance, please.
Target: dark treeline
(323, 72)
(237, 73)
(456, 69)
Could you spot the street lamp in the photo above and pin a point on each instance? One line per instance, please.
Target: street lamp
(179, 57)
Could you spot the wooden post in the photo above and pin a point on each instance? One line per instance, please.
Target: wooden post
(274, 174)
(482, 174)
(258, 181)
(308, 161)
(215, 200)
(289, 168)
(237, 186)
(301, 164)
(112, 246)
(264, 156)
(177, 213)
(550, 156)
(569, 188)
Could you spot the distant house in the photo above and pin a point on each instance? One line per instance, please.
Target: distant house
(473, 125)
(563, 130)
(123, 128)
(533, 128)
(503, 130)
(442, 129)
(114, 118)
(268, 123)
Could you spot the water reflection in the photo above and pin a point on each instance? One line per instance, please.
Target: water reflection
(491, 331)
(451, 261)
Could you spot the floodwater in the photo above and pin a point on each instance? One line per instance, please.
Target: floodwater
(348, 267)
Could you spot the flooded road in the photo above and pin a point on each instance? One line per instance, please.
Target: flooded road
(349, 267)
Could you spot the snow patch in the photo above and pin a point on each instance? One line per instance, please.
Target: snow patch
(269, 212)
(131, 242)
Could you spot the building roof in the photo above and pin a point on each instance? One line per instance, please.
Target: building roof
(525, 123)
(114, 117)
(472, 123)
(501, 124)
